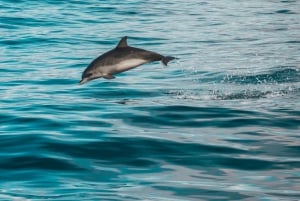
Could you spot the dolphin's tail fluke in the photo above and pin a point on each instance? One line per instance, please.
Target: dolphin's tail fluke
(165, 60)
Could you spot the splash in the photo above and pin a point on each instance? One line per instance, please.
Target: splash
(277, 82)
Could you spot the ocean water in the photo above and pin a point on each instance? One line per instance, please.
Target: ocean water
(220, 123)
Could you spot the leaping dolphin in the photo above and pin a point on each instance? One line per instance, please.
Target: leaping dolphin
(120, 59)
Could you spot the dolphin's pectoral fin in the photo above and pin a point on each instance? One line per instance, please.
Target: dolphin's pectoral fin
(108, 76)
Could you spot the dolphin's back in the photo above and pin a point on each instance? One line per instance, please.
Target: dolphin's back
(141, 53)
(118, 55)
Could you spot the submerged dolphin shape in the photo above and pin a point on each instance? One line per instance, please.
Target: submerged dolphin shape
(120, 59)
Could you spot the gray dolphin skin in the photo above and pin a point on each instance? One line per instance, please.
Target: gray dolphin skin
(120, 59)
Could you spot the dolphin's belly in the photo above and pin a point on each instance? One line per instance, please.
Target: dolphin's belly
(129, 64)
(121, 66)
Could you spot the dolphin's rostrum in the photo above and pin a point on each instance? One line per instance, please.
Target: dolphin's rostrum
(120, 59)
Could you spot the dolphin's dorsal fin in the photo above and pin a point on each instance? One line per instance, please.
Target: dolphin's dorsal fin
(123, 42)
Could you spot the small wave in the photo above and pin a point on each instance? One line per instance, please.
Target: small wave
(253, 94)
(221, 93)
(287, 75)
(217, 86)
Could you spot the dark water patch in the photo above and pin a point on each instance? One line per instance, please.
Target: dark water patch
(143, 152)
(28, 123)
(13, 144)
(6, 118)
(127, 13)
(26, 21)
(198, 117)
(285, 11)
(287, 112)
(53, 81)
(105, 8)
(23, 196)
(292, 150)
(191, 111)
(92, 123)
(61, 108)
(28, 40)
(287, 123)
(10, 71)
(204, 194)
(8, 26)
(248, 164)
(211, 42)
(293, 195)
(34, 162)
(288, 1)
(243, 141)
(93, 21)
(293, 41)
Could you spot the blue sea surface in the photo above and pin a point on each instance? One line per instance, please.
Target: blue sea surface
(222, 122)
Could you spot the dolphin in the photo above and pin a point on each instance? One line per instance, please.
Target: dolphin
(121, 58)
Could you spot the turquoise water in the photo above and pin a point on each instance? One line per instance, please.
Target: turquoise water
(220, 123)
